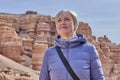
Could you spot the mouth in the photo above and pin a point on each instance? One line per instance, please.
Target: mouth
(63, 27)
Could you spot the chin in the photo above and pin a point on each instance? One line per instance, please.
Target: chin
(65, 32)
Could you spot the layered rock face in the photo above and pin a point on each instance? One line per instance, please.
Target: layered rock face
(25, 37)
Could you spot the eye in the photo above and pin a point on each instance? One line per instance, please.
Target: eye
(67, 19)
(59, 20)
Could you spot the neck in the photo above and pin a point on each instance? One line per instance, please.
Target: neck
(67, 36)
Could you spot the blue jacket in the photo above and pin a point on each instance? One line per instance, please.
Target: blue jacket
(81, 55)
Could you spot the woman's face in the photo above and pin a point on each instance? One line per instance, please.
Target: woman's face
(64, 24)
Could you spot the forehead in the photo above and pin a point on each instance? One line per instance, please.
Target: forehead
(64, 14)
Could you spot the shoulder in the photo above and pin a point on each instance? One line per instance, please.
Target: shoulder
(50, 50)
(92, 50)
(88, 46)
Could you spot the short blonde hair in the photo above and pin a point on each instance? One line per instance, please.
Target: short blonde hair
(73, 14)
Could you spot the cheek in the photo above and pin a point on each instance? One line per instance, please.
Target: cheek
(71, 27)
(57, 29)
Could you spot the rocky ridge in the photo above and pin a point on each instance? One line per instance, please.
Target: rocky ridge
(25, 37)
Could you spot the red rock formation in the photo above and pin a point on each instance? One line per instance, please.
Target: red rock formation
(29, 35)
(37, 55)
(11, 44)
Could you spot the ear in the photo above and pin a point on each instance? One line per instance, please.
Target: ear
(76, 27)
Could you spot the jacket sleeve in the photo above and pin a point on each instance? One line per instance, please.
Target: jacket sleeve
(96, 72)
(44, 73)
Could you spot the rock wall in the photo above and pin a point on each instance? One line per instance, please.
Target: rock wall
(25, 37)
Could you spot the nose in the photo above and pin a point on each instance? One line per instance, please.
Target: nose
(63, 22)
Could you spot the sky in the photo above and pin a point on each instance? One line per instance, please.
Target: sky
(103, 16)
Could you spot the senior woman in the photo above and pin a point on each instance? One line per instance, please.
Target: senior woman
(81, 56)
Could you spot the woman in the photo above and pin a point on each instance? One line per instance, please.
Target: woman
(81, 55)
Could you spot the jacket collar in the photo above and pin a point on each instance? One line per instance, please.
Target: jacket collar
(78, 39)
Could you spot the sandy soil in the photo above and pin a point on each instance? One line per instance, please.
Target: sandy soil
(11, 70)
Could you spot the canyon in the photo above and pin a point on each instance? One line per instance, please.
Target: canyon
(25, 37)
